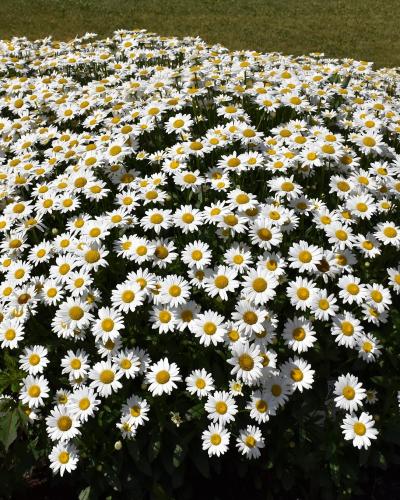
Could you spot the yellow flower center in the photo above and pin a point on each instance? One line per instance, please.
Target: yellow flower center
(246, 362)
(175, 291)
(125, 364)
(115, 150)
(75, 364)
(221, 407)
(305, 256)
(178, 123)
(135, 411)
(264, 234)
(376, 296)
(348, 392)
(107, 376)
(369, 142)
(359, 428)
(250, 317)
(260, 285)
(238, 259)
(231, 220)
(63, 457)
(299, 334)
(215, 439)
(276, 390)
(250, 441)
(187, 218)
(197, 255)
(200, 383)
(34, 359)
(92, 256)
(341, 235)
(242, 199)
(287, 186)
(128, 296)
(368, 245)
(390, 232)
(209, 328)
(51, 292)
(165, 316)
(347, 328)
(76, 313)
(362, 207)
(84, 403)
(156, 219)
(303, 293)
(353, 289)
(162, 377)
(221, 282)
(64, 269)
(296, 374)
(189, 178)
(261, 405)
(34, 391)
(64, 423)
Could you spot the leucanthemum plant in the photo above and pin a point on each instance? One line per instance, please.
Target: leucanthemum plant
(196, 238)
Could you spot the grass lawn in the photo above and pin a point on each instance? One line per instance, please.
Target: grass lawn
(363, 29)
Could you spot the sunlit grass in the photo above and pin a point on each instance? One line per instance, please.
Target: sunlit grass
(363, 29)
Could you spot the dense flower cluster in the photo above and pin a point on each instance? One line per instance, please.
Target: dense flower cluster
(179, 219)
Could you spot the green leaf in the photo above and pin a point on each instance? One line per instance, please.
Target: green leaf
(178, 456)
(84, 494)
(8, 428)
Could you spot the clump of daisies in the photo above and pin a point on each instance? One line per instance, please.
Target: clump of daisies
(198, 225)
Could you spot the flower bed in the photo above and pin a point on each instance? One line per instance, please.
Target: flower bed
(199, 243)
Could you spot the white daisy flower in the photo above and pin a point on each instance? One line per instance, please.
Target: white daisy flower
(162, 377)
(215, 440)
(349, 393)
(63, 458)
(250, 441)
(221, 407)
(360, 430)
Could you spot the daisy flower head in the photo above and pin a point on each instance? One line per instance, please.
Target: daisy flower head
(221, 407)
(360, 430)
(349, 393)
(63, 458)
(304, 257)
(369, 348)
(127, 297)
(261, 406)
(215, 440)
(34, 359)
(162, 377)
(136, 409)
(299, 372)
(62, 425)
(105, 377)
(346, 329)
(250, 441)
(83, 403)
(246, 362)
(34, 390)
(199, 383)
(259, 286)
(197, 254)
(209, 328)
(299, 334)
(301, 293)
(221, 281)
